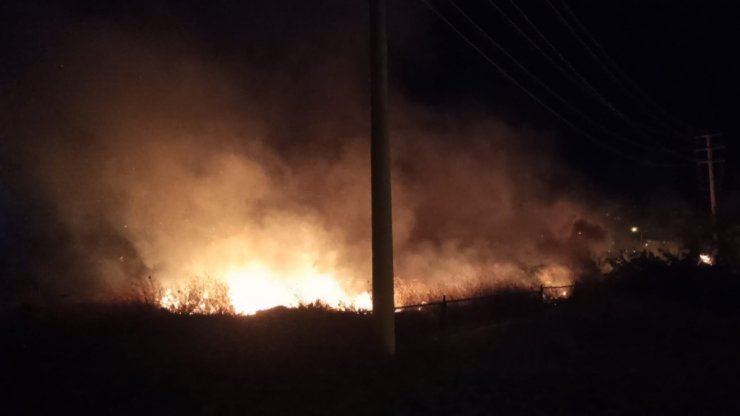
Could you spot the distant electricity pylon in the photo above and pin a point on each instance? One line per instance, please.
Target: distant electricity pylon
(380, 180)
(710, 162)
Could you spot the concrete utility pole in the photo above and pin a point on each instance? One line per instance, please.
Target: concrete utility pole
(380, 173)
(709, 149)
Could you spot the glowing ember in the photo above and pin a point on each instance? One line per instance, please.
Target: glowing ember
(556, 281)
(556, 293)
(707, 259)
(562, 293)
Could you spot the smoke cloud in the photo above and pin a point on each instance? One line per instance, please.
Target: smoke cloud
(132, 155)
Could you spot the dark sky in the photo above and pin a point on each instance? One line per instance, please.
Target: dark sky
(680, 53)
(677, 52)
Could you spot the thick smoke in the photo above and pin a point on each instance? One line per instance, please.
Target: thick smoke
(146, 157)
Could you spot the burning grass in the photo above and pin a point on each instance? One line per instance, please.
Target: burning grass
(211, 296)
(199, 296)
(248, 293)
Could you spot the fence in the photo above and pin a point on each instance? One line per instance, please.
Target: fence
(545, 294)
(542, 292)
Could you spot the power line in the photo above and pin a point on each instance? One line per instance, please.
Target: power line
(624, 75)
(570, 74)
(559, 116)
(614, 71)
(565, 102)
(566, 68)
(575, 76)
(541, 83)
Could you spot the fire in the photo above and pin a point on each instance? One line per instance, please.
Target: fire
(707, 259)
(558, 293)
(254, 287)
(556, 281)
(277, 260)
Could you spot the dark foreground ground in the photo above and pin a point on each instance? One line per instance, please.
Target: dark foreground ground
(602, 352)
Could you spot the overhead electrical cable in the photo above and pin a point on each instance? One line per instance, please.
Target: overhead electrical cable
(568, 70)
(624, 75)
(585, 134)
(614, 72)
(552, 47)
(559, 97)
(564, 66)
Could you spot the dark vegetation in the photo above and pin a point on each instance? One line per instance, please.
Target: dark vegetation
(653, 337)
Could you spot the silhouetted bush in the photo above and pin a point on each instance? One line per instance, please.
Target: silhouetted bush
(677, 278)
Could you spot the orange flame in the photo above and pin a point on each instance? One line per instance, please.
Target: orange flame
(255, 287)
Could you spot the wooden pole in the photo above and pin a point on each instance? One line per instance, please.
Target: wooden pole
(710, 173)
(382, 216)
(709, 149)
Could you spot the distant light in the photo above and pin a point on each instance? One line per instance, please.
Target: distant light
(634, 229)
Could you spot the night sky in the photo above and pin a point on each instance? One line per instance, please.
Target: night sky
(678, 52)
